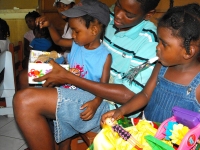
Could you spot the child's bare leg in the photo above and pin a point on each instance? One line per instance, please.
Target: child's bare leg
(31, 107)
(65, 145)
(23, 79)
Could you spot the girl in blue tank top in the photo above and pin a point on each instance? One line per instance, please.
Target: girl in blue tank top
(176, 77)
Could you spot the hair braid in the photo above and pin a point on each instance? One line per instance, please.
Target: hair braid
(184, 22)
(5, 31)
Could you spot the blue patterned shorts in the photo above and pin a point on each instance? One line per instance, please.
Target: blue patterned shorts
(68, 121)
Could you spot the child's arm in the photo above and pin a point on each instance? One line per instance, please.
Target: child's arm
(57, 39)
(91, 106)
(138, 101)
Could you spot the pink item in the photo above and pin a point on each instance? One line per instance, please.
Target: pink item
(188, 118)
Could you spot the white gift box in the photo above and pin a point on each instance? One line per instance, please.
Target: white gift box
(36, 70)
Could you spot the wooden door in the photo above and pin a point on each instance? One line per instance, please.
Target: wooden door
(46, 8)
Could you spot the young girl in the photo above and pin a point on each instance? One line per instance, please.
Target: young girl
(176, 78)
(4, 34)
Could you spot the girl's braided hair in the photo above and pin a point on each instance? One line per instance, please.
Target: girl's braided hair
(4, 28)
(184, 22)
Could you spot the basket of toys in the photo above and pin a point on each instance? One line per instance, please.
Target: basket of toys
(180, 132)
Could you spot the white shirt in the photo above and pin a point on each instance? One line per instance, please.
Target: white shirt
(29, 35)
(4, 45)
(67, 32)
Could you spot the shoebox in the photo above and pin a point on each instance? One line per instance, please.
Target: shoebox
(39, 64)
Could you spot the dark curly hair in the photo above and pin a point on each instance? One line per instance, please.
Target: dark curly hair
(4, 29)
(148, 5)
(44, 32)
(88, 19)
(33, 14)
(184, 22)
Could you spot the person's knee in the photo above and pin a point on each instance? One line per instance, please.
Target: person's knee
(22, 99)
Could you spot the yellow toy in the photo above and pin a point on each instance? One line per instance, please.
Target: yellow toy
(110, 139)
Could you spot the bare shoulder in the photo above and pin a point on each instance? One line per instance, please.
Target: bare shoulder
(198, 88)
(198, 93)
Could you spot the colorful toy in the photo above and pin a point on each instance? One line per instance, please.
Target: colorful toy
(124, 134)
(35, 73)
(190, 136)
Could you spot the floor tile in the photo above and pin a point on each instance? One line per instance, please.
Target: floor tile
(5, 120)
(23, 147)
(11, 130)
(7, 143)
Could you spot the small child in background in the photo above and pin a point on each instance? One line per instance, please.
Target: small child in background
(4, 34)
(42, 40)
(29, 36)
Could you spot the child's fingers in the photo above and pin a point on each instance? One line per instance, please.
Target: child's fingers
(86, 115)
(54, 64)
(117, 115)
(109, 114)
(83, 106)
(40, 79)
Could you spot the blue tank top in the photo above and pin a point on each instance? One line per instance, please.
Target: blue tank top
(168, 94)
(86, 63)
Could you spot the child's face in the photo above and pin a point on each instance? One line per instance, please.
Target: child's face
(128, 13)
(81, 35)
(170, 48)
(30, 23)
(62, 7)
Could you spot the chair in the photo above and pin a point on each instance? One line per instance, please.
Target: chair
(88, 137)
(17, 58)
(7, 87)
(82, 141)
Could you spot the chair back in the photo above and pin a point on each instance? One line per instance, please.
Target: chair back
(17, 58)
(7, 86)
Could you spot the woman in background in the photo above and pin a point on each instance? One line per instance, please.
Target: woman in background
(4, 34)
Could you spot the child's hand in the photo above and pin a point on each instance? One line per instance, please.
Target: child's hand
(42, 22)
(90, 109)
(114, 114)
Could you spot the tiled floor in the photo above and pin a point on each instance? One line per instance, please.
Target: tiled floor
(10, 137)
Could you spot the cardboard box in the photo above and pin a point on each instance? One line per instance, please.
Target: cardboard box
(36, 70)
